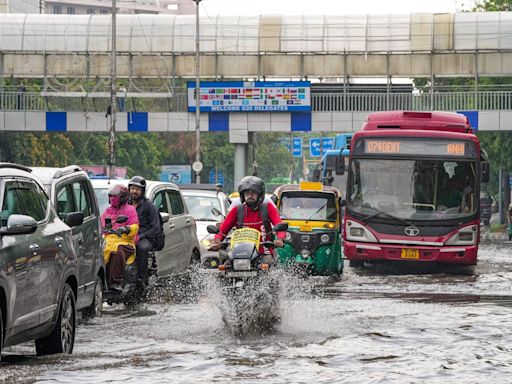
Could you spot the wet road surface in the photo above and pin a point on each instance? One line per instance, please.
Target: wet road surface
(378, 324)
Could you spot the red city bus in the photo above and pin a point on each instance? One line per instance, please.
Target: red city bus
(413, 189)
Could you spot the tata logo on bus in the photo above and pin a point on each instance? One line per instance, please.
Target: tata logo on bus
(412, 231)
(380, 146)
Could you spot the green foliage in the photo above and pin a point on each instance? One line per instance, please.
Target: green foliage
(493, 5)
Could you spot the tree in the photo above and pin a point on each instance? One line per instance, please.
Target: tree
(493, 5)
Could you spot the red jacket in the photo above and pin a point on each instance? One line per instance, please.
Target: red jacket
(252, 219)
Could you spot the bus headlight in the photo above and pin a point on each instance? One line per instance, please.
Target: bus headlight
(464, 236)
(357, 232)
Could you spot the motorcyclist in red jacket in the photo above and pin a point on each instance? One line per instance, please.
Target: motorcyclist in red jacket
(252, 194)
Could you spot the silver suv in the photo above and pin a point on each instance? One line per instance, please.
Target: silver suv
(70, 190)
(181, 245)
(39, 267)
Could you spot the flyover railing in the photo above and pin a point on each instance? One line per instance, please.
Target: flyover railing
(332, 101)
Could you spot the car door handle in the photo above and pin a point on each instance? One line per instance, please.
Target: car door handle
(59, 241)
(34, 248)
(187, 221)
(171, 226)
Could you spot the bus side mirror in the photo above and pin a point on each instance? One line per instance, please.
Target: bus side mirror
(340, 165)
(485, 172)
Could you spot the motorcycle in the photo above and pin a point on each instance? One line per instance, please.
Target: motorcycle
(131, 290)
(248, 284)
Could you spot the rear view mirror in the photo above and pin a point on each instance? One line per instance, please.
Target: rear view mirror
(19, 225)
(280, 227)
(340, 165)
(216, 212)
(213, 229)
(274, 199)
(485, 172)
(74, 219)
(165, 217)
(121, 219)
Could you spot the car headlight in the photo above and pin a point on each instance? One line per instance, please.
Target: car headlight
(241, 264)
(324, 238)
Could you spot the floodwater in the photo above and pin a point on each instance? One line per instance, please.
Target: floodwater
(375, 325)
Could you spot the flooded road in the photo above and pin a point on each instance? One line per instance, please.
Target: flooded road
(374, 325)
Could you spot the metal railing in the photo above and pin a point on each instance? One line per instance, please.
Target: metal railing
(363, 102)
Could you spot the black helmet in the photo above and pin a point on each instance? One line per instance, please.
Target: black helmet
(138, 181)
(121, 191)
(252, 183)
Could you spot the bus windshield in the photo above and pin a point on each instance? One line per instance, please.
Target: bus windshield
(412, 189)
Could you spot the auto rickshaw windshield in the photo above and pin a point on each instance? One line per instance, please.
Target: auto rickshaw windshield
(300, 205)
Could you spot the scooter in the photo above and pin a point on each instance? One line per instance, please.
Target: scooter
(131, 291)
(247, 282)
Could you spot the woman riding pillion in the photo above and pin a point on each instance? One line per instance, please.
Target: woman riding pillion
(120, 238)
(252, 194)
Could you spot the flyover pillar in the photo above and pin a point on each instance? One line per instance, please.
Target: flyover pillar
(240, 163)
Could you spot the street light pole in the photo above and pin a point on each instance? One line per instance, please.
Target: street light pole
(113, 99)
(197, 166)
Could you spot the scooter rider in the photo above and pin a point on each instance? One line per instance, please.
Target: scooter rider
(149, 228)
(252, 194)
(120, 243)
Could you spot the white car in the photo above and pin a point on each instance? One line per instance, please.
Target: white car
(201, 202)
(181, 245)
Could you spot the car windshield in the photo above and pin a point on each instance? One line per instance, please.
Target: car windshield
(200, 207)
(412, 189)
(102, 196)
(308, 206)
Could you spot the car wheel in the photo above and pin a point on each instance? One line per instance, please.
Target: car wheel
(62, 338)
(1, 333)
(94, 310)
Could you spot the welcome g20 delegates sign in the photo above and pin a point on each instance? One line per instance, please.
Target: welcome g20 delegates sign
(257, 96)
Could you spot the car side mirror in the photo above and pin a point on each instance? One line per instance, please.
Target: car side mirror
(216, 212)
(121, 219)
(213, 229)
(165, 216)
(274, 199)
(343, 203)
(484, 166)
(74, 219)
(281, 227)
(19, 225)
(340, 165)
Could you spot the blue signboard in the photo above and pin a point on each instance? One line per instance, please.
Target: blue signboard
(178, 174)
(250, 96)
(216, 178)
(314, 147)
(327, 143)
(297, 147)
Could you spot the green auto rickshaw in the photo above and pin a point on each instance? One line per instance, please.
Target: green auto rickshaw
(313, 240)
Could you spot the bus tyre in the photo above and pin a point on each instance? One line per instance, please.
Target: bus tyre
(62, 338)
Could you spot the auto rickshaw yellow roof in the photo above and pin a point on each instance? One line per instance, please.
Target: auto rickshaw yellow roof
(307, 186)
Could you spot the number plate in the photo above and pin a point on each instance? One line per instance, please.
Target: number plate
(241, 274)
(306, 227)
(408, 253)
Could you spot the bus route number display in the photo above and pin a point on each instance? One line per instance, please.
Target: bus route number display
(415, 147)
